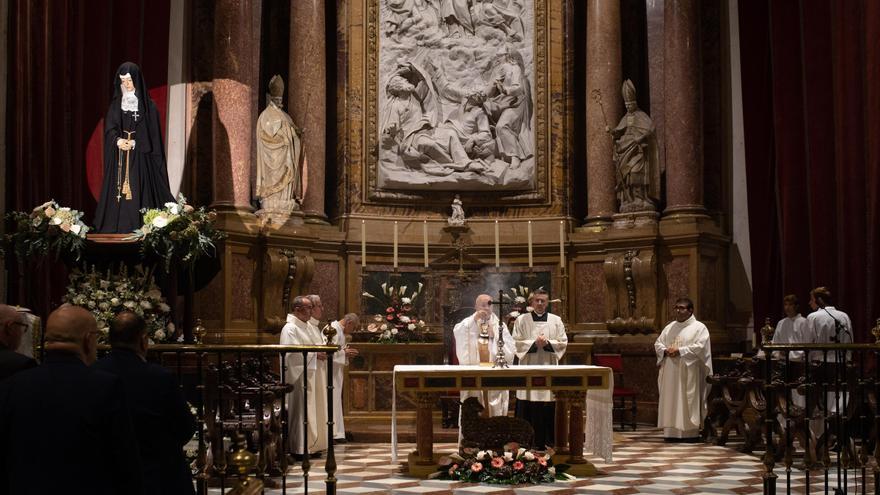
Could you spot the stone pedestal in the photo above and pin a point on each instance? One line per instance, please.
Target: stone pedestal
(635, 219)
(308, 97)
(604, 80)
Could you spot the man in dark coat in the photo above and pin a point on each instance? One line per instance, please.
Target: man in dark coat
(64, 427)
(135, 172)
(160, 415)
(12, 327)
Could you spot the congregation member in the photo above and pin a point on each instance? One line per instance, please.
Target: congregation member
(344, 328)
(684, 357)
(476, 342)
(540, 339)
(12, 328)
(299, 331)
(64, 426)
(160, 415)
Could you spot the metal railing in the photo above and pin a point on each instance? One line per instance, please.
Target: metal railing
(240, 392)
(827, 403)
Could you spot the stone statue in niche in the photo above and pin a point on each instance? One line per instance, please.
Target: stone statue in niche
(455, 102)
(457, 219)
(280, 159)
(636, 157)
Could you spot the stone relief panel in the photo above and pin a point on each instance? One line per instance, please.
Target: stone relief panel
(457, 90)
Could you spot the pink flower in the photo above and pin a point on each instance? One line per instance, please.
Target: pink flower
(497, 462)
(389, 310)
(453, 468)
(390, 317)
(476, 467)
(542, 461)
(518, 465)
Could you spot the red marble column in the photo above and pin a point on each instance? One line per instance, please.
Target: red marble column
(308, 97)
(684, 125)
(576, 428)
(236, 76)
(425, 428)
(604, 79)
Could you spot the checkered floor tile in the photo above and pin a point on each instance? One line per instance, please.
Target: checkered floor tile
(643, 463)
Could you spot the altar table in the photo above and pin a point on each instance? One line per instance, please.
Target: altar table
(585, 389)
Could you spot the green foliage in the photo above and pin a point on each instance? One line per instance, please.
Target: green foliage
(178, 234)
(46, 228)
(514, 466)
(399, 323)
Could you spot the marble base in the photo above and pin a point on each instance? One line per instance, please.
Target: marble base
(281, 218)
(634, 219)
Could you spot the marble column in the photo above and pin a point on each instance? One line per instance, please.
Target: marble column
(308, 97)
(236, 77)
(604, 79)
(684, 123)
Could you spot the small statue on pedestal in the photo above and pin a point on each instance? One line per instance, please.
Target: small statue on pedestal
(636, 157)
(280, 159)
(457, 218)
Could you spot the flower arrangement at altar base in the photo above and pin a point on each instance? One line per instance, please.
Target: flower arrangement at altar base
(514, 466)
(178, 233)
(48, 227)
(399, 323)
(106, 294)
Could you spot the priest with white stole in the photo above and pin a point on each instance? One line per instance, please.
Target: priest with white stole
(685, 360)
(476, 342)
(344, 329)
(298, 331)
(540, 340)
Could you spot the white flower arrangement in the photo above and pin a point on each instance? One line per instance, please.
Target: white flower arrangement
(47, 227)
(106, 294)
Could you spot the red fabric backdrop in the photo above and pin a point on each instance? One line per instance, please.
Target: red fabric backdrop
(63, 54)
(811, 108)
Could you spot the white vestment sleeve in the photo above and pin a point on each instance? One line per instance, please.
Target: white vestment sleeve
(339, 356)
(293, 360)
(660, 346)
(698, 351)
(462, 341)
(558, 340)
(523, 336)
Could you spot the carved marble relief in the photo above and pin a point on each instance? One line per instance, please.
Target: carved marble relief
(456, 96)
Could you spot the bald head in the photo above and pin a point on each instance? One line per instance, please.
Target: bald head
(12, 327)
(71, 329)
(483, 301)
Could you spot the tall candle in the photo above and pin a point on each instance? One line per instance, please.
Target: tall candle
(425, 239)
(363, 243)
(497, 248)
(395, 244)
(561, 244)
(530, 244)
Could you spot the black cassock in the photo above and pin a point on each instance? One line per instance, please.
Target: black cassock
(144, 166)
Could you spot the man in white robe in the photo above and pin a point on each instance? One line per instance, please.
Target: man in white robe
(790, 330)
(467, 350)
(684, 357)
(298, 331)
(828, 325)
(540, 340)
(344, 328)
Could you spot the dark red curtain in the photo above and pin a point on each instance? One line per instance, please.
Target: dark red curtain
(63, 54)
(811, 109)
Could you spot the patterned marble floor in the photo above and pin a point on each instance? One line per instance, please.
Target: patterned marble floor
(643, 463)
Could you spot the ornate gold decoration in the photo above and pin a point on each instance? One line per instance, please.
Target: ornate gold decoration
(244, 462)
(199, 331)
(767, 332)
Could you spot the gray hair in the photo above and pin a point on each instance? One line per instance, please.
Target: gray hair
(351, 317)
(299, 301)
(314, 298)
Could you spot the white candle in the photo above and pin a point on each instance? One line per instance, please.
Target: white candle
(425, 239)
(363, 243)
(530, 244)
(497, 248)
(561, 244)
(395, 244)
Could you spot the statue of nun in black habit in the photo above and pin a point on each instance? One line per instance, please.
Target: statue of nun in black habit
(135, 173)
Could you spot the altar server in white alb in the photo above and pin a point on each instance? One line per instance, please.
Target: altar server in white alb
(476, 342)
(828, 325)
(790, 330)
(344, 329)
(540, 340)
(685, 360)
(298, 331)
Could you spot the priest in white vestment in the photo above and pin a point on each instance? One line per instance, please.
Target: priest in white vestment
(685, 360)
(344, 329)
(828, 325)
(472, 349)
(540, 340)
(298, 331)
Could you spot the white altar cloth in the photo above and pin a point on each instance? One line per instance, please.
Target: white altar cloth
(598, 412)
